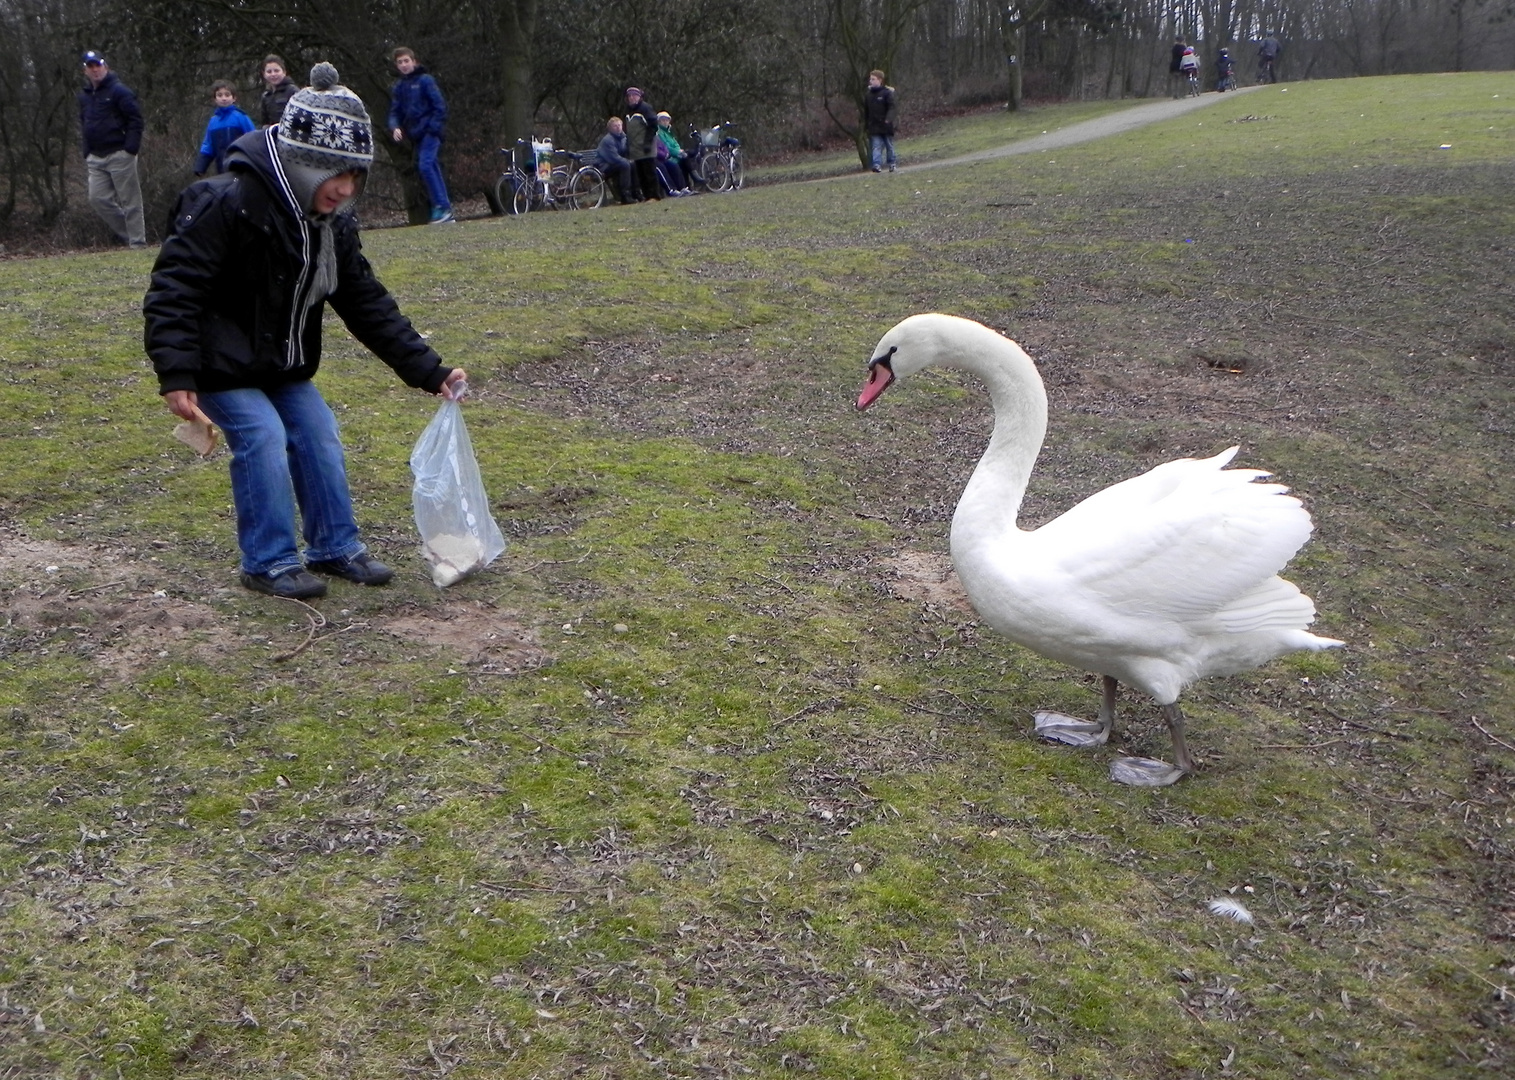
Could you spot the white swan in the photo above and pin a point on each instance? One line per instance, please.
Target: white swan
(1160, 580)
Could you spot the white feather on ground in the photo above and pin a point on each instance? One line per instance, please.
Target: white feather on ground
(1227, 908)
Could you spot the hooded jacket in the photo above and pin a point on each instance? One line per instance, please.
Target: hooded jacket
(109, 118)
(878, 110)
(227, 124)
(416, 105)
(228, 307)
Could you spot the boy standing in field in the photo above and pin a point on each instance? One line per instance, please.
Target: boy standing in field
(418, 112)
(233, 329)
(227, 124)
(879, 112)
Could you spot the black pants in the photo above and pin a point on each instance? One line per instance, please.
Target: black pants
(621, 181)
(647, 177)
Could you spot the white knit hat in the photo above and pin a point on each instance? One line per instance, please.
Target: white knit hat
(325, 129)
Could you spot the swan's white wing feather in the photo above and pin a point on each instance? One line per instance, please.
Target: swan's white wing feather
(1183, 541)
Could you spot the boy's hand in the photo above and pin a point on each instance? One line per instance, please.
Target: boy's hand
(399, 134)
(185, 404)
(455, 385)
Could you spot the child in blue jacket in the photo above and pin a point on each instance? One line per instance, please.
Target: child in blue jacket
(227, 124)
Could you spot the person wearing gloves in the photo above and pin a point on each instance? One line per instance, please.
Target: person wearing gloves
(233, 330)
(227, 124)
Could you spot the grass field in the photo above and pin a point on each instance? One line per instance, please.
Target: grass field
(713, 774)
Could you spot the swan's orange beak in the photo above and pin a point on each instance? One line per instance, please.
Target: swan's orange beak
(880, 376)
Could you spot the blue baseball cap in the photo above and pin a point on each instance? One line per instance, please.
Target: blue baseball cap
(91, 58)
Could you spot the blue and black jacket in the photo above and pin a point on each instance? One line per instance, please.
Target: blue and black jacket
(227, 124)
(416, 106)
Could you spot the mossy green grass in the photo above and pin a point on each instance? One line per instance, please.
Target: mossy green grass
(763, 799)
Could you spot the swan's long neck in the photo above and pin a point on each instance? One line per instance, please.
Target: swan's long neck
(991, 501)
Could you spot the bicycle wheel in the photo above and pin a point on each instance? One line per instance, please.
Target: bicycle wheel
(587, 192)
(558, 187)
(717, 172)
(1193, 85)
(523, 197)
(504, 192)
(738, 170)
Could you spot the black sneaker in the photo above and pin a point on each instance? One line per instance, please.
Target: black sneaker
(293, 584)
(361, 569)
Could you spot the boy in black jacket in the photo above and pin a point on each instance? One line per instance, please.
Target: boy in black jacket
(233, 329)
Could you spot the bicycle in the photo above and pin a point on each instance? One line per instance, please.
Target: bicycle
(583, 187)
(1265, 72)
(718, 158)
(1193, 84)
(572, 186)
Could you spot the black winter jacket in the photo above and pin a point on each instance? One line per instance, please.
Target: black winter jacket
(878, 109)
(109, 118)
(226, 307)
(271, 106)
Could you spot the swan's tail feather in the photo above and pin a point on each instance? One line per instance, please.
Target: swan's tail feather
(1275, 604)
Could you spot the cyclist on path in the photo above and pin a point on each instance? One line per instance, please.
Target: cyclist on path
(1267, 58)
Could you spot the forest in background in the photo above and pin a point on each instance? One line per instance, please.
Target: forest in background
(789, 73)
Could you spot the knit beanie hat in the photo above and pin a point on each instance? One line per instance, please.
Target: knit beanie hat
(324, 131)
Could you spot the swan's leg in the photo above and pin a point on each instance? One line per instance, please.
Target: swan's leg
(1107, 705)
(1065, 729)
(1149, 772)
(1175, 717)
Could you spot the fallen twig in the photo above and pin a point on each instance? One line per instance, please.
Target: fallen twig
(814, 706)
(921, 708)
(98, 588)
(317, 620)
(1490, 734)
(556, 562)
(1299, 746)
(527, 886)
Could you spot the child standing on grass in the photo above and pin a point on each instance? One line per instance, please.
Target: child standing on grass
(227, 124)
(233, 329)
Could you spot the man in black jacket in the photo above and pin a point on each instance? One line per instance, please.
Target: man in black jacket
(642, 142)
(233, 329)
(110, 127)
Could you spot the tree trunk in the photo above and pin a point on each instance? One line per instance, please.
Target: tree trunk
(1012, 32)
(1013, 56)
(518, 105)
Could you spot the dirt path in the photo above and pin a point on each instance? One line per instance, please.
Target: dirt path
(1114, 124)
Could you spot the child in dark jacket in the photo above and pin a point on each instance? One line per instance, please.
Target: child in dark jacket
(1225, 69)
(227, 124)
(233, 329)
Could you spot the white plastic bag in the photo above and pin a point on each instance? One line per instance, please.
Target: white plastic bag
(458, 535)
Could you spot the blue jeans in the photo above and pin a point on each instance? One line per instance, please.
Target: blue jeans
(879, 146)
(427, 149)
(285, 449)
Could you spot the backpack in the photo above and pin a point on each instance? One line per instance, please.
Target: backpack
(1190, 62)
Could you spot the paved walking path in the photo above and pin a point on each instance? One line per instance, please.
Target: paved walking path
(1113, 124)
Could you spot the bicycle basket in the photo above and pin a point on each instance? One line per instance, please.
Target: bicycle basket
(711, 137)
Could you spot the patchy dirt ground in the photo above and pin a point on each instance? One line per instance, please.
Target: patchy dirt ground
(106, 605)
(475, 634)
(101, 604)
